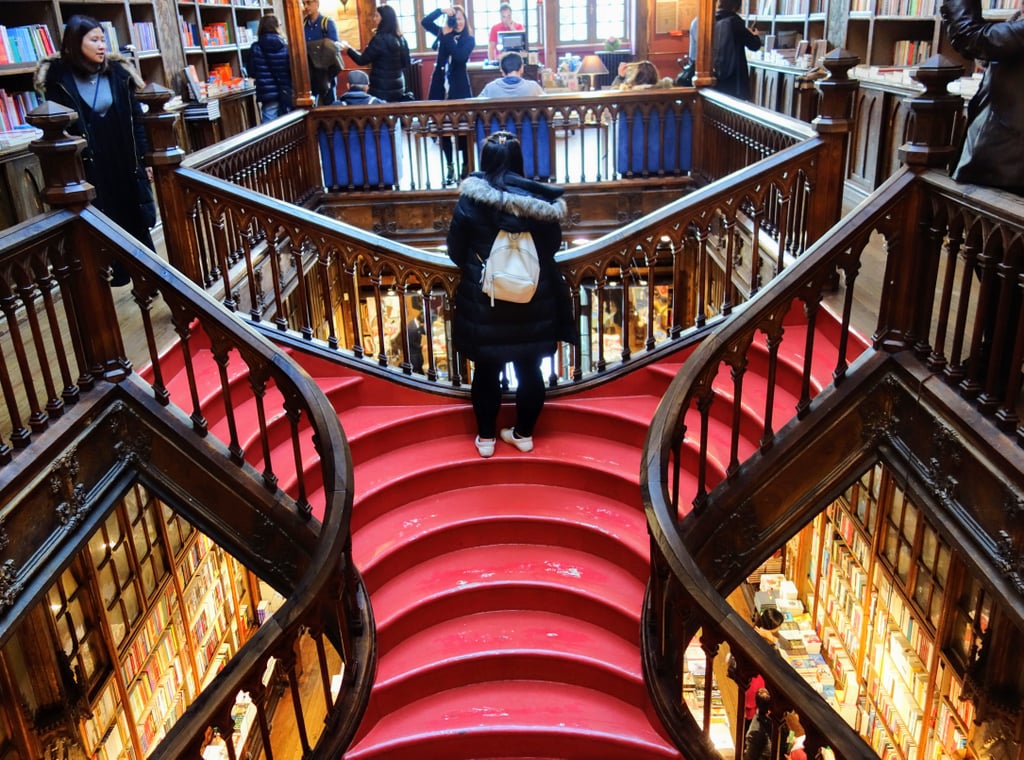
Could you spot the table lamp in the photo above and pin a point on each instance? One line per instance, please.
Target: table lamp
(592, 65)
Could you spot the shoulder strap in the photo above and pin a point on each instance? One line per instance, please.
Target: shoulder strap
(323, 26)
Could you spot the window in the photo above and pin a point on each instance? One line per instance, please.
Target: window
(932, 574)
(75, 623)
(582, 21)
(482, 15)
(970, 621)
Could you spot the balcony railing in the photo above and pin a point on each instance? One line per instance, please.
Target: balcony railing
(335, 288)
(949, 307)
(64, 359)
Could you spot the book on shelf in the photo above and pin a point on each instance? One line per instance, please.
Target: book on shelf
(25, 44)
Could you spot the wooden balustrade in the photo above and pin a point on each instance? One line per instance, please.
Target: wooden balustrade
(354, 294)
(950, 308)
(236, 226)
(63, 349)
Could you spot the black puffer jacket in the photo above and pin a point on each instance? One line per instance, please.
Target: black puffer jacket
(270, 66)
(508, 331)
(995, 131)
(387, 55)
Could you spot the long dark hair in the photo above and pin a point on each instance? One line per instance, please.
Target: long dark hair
(71, 45)
(500, 155)
(268, 25)
(388, 21)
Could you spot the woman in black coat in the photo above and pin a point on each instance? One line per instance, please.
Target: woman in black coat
(270, 66)
(100, 87)
(499, 198)
(454, 44)
(730, 37)
(387, 55)
(995, 115)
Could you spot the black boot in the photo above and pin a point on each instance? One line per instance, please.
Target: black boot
(449, 178)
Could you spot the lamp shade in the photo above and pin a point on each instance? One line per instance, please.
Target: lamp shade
(592, 64)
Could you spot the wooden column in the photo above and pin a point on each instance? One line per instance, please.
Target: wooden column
(165, 156)
(297, 49)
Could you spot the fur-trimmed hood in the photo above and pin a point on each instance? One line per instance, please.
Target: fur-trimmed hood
(524, 198)
(52, 68)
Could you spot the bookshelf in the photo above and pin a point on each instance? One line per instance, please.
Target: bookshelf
(874, 588)
(803, 18)
(175, 609)
(217, 35)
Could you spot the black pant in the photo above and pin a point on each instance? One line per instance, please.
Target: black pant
(446, 148)
(486, 395)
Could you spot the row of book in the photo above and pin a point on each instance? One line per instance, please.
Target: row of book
(911, 52)
(788, 7)
(14, 106)
(145, 35)
(218, 33)
(190, 36)
(907, 8)
(24, 44)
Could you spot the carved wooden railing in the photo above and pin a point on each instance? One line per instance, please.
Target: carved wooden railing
(351, 294)
(63, 348)
(949, 308)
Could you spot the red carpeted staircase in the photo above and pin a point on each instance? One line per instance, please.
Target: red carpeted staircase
(507, 591)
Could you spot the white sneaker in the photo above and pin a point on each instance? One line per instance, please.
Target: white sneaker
(485, 446)
(508, 435)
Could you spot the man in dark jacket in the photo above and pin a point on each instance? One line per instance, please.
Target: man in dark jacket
(357, 93)
(500, 198)
(995, 130)
(271, 69)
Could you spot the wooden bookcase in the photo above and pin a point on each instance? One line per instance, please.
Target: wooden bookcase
(805, 18)
(174, 609)
(875, 589)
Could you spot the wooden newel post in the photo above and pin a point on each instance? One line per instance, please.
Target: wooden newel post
(834, 124)
(165, 156)
(87, 278)
(937, 113)
(60, 156)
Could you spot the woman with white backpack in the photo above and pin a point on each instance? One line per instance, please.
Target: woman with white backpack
(498, 203)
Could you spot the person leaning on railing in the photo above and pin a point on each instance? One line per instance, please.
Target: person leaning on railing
(991, 153)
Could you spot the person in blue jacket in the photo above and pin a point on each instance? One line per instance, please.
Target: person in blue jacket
(317, 27)
(454, 45)
(271, 69)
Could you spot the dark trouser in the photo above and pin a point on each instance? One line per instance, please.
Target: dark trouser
(486, 394)
(446, 148)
